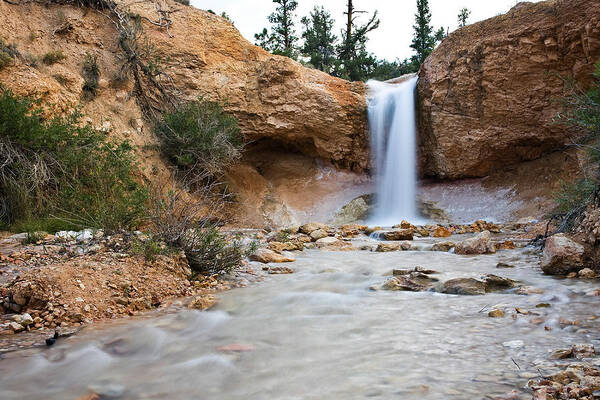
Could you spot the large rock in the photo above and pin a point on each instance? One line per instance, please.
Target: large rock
(488, 94)
(464, 286)
(397, 234)
(357, 210)
(396, 246)
(480, 244)
(266, 256)
(562, 255)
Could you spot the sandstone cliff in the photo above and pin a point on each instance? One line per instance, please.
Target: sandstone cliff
(281, 106)
(488, 94)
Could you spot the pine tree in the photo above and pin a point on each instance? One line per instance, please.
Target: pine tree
(423, 40)
(282, 26)
(264, 40)
(357, 63)
(319, 39)
(440, 34)
(463, 17)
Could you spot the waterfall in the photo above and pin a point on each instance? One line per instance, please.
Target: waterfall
(393, 147)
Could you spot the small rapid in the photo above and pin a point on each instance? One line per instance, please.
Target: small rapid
(323, 333)
(393, 147)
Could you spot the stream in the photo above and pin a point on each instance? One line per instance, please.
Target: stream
(321, 333)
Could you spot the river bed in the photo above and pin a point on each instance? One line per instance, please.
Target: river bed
(322, 333)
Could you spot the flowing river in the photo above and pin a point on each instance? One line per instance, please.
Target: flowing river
(321, 333)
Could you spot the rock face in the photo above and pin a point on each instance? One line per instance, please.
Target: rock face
(307, 119)
(488, 93)
(562, 255)
(274, 98)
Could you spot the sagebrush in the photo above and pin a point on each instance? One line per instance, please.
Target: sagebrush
(582, 110)
(200, 137)
(180, 221)
(60, 173)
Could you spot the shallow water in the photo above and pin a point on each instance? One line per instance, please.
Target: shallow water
(322, 334)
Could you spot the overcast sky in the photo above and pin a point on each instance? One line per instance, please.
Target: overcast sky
(391, 40)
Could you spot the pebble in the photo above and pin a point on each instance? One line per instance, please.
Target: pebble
(514, 344)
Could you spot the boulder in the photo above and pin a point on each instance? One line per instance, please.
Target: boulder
(266, 256)
(587, 273)
(412, 282)
(464, 286)
(421, 270)
(495, 283)
(443, 246)
(357, 210)
(280, 271)
(488, 92)
(333, 244)
(496, 313)
(506, 245)
(309, 228)
(389, 247)
(352, 230)
(562, 255)
(203, 302)
(441, 232)
(318, 234)
(292, 245)
(16, 327)
(397, 234)
(480, 244)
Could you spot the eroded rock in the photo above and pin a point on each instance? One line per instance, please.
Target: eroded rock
(443, 246)
(487, 92)
(397, 234)
(266, 256)
(480, 244)
(464, 286)
(562, 255)
(389, 247)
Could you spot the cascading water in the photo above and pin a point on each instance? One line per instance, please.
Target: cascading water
(393, 145)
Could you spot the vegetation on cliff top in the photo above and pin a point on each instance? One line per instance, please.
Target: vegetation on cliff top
(346, 57)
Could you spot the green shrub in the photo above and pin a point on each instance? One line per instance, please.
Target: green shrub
(7, 54)
(91, 76)
(61, 174)
(581, 109)
(183, 224)
(200, 137)
(33, 237)
(52, 57)
(150, 247)
(209, 252)
(5, 60)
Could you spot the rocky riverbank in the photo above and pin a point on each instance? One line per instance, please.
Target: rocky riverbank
(65, 281)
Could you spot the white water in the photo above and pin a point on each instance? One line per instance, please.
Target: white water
(393, 145)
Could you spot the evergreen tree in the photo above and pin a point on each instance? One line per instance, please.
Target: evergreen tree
(385, 70)
(319, 39)
(440, 34)
(357, 63)
(282, 28)
(423, 40)
(264, 40)
(463, 17)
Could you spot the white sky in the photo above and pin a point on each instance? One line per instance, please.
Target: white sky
(391, 40)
